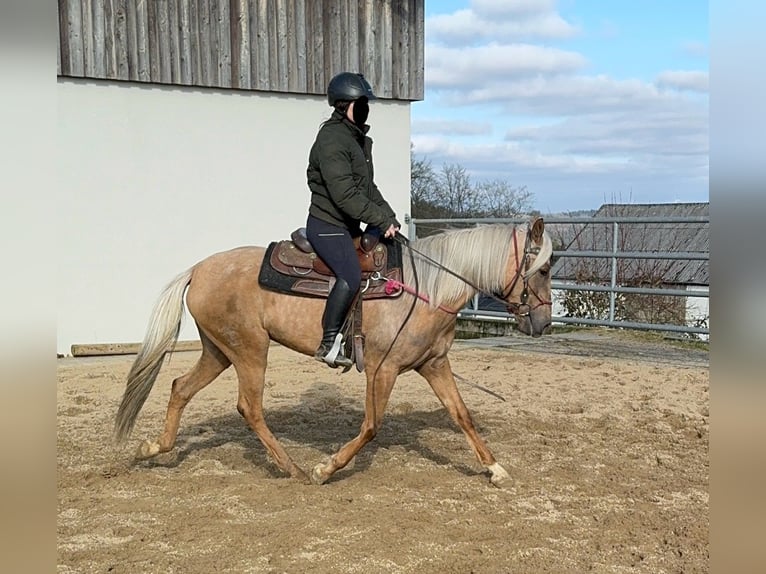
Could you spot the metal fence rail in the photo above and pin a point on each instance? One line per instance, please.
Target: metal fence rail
(472, 311)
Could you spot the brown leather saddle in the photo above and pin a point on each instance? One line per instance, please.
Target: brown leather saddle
(292, 267)
(309, 275)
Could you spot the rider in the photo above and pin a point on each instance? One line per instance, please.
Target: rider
(343, 194)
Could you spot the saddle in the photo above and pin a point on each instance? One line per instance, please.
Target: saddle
(292, 267)
(309, 275)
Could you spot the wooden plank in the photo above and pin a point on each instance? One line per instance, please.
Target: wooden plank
(99, 39)
(59, 36)
(194, 55)
(87, 38)
(184, 41)
(417, 40)
(203, 40)
(224, 44)
(119, 64)
(215, 71)
(64, 65)
(110, 57)
(281, 46)
(264, 48)
(367, 49)
(310, 59)
(332, 46)
(240, 44)
(252, 27)
(174, 41)
(245, 70)
(153, 53)
(271, 16)
(299, 15)
(76, 42)
(352, 36)
(292, 46)
(131, 38)
(235, 34)
(401, 46)
(374, 56)
(318, 33)
(343, 20)
(144, 49)
(106, 349)
(385, 50)
(163, 41)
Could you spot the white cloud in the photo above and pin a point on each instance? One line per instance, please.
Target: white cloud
(663, 138)
(451, 127)
(456, 68)
(694, 81)
(511, 155)
(500, 20)
(567, 95)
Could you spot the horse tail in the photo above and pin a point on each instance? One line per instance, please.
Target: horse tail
(161, 336)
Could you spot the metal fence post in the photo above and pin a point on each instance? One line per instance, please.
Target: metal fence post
(612, 293)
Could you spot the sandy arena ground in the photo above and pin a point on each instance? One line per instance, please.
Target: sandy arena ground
(609, 452)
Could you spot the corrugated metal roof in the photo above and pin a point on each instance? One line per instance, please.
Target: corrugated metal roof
(660, 237)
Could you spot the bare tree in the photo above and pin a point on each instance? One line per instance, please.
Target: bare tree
(455, 191)
(422, 182)
(450, 193)
(499, 199)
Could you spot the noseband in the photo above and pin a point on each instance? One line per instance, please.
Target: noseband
(522, 308)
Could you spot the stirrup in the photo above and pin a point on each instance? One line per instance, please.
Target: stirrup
(335, 357)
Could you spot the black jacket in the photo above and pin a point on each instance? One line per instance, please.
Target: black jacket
(340, 175)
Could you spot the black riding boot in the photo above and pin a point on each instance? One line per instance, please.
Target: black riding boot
(330, 350)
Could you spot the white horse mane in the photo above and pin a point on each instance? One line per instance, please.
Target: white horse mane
(479, 254)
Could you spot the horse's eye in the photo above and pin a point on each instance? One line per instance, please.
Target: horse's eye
(544, 272)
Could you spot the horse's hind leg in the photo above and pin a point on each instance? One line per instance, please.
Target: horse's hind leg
(211, 364)
(438, 373)
(251, 373)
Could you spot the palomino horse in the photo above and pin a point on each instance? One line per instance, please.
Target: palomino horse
(237, 319)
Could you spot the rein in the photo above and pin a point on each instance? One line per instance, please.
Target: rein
(392, 285)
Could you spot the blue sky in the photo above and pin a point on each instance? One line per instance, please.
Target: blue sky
(581, 102)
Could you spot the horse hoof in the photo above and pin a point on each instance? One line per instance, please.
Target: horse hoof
(318, 475)
(298, 474)
(499, 476)
(148, 449)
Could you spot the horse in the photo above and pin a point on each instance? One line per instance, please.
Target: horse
(237, 319)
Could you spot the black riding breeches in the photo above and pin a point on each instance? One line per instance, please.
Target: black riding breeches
(336, 248)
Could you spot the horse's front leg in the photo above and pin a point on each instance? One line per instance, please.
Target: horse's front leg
(438, 373)
(379, 386)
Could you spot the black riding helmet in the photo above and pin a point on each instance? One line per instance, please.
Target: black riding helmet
(348, 87)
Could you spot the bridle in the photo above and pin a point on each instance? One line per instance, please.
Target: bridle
(522, 308)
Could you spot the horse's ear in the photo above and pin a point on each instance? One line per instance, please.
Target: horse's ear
(538, 228)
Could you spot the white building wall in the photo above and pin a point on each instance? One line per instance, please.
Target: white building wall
(154, 178)
(698, 309)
